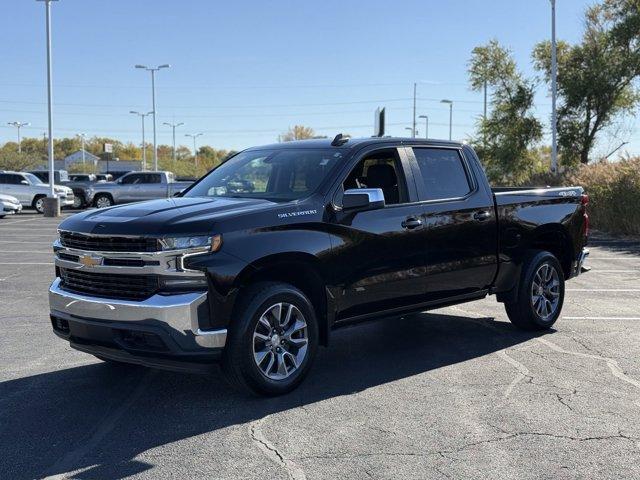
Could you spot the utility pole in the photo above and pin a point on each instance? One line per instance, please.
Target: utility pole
(450, 103)
(415, 87)
(52, 204)
(153, 71)
(144, 145)
(554, 92)
(173, 128)
(426, 126)
(19, 125)
(195, 151)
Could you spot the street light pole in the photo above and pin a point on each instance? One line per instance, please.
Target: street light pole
(144, 145)
(450, 103)
(153, 71)
(19, 125)
(413, 132)
(195, 152)
(554, 92)
(52, 205)
(173, 128)
(426, 125)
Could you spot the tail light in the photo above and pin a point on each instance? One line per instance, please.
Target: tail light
(584, 200)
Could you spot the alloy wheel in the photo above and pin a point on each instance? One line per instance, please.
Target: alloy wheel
(545, 291)
(280, 341)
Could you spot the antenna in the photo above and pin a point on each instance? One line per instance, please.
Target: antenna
(339, 140)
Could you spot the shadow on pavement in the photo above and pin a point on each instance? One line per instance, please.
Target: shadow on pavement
(99, 417)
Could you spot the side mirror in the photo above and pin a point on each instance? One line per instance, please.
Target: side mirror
(24, 182)
(363, 199)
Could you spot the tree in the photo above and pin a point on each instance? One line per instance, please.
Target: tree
(595, 77)
(298, 132)
(10, 160)
(510, 130)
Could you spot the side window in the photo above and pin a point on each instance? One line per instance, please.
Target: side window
(132, 179)
(443, 173)
(15, 179)
(4, 178)
(380, 170)
(152, 178)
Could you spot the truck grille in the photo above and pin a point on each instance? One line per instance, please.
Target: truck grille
(108, 244)
(125, 287)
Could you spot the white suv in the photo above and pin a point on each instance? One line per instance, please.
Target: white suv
(30, 191)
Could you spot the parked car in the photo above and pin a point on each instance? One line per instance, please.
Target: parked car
(30, 191)
(82, 177)
(104, 177)
(116, 174)
(60, 176)
(9, 205)
(260, 260)
(134, 187)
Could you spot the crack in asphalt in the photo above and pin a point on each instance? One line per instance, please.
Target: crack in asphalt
(272, 453)
(613, 365)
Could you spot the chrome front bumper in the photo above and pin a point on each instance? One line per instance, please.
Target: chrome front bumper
(179, 313)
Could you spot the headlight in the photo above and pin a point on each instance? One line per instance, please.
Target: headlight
(184, 243)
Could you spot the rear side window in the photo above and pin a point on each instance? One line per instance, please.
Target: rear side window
(152, 178)
(443, 173)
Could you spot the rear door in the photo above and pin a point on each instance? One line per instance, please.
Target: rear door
(459, 222)
(11, 184)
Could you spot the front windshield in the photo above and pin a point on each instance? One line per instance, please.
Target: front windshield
(33, 180)
(277, 175)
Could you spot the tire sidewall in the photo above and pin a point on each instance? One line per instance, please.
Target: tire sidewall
(241, 339)
(536, 261)
(35, 204)
(105, 197)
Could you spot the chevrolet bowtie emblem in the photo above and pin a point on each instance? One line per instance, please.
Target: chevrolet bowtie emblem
(90, 261)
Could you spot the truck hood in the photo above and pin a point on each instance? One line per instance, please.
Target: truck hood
(170, 216)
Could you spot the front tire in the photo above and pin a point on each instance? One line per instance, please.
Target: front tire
(38, 203)
(78, 201)
(272, 341)
(540, 293)
(103, 200)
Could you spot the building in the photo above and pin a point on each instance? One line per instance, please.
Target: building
(76, 157)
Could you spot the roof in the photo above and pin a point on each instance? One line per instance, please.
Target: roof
(79, 153)
(358, 142)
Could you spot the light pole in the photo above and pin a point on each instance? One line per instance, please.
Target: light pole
(82, 138)
(554, 91)
(450, 103)
(144, 145)
(173, 128)
(19, 125)
(195, 152)
(52, 205)
(153, 71)
(426, 125)
(413, 133)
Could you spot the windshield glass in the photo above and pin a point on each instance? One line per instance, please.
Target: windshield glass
(33, 180)
(278, 175)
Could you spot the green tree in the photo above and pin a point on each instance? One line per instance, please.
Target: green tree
(595, 77)
(298, 132)
(510, 130)
(12, 160)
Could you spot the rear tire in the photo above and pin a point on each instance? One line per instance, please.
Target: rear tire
(540, 293)
(272, 341)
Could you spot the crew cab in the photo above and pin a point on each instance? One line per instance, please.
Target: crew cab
(30, 191)
(133, 187)
(261, 259)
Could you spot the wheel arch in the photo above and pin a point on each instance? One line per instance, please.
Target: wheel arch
(303, 271)
(555, 238)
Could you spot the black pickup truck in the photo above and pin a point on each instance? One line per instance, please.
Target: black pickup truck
(260, 260)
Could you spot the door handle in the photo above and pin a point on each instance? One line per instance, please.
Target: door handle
(411, 223)
(480, 216)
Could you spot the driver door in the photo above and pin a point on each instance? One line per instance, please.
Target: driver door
(381, 261)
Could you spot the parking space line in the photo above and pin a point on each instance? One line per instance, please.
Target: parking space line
(26, 263)
(602, 290)
(36, 252)
(3, 224)
(30, 243)
(601, 318)
(615, 271)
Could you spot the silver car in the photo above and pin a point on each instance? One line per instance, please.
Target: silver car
(9, 205)
(30, 191)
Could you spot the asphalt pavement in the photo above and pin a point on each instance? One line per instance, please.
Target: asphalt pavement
(452, 393)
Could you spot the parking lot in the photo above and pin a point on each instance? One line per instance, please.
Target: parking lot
(452, 393)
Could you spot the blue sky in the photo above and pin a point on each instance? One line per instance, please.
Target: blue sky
(242, 72)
